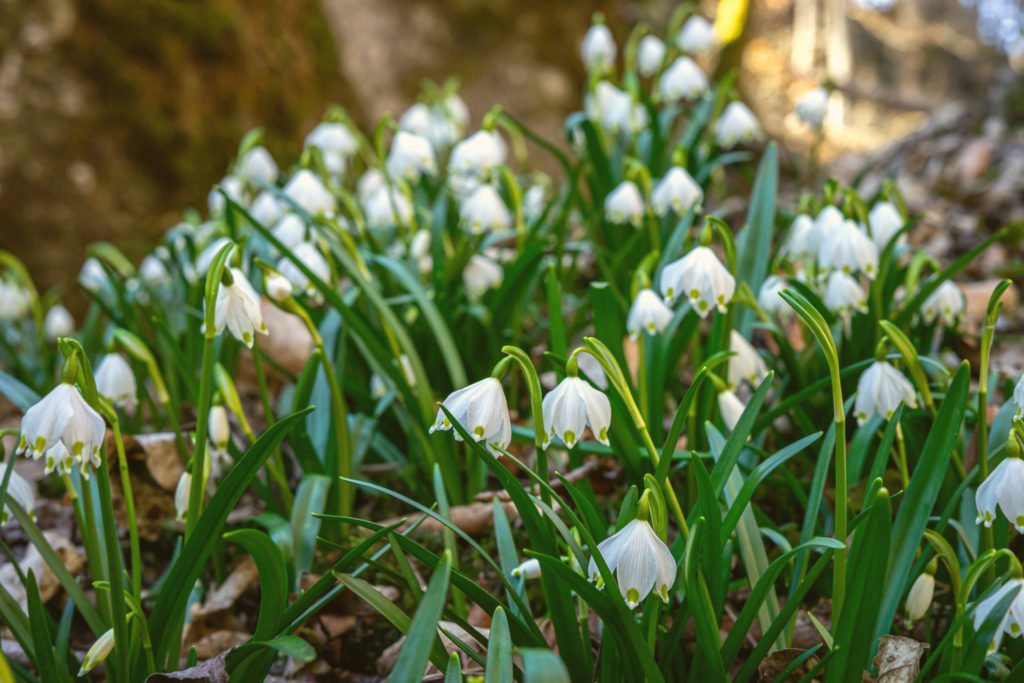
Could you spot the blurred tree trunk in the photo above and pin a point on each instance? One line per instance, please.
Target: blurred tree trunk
(805, 36)
(838, 62)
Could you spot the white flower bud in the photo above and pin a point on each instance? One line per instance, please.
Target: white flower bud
(182, 494)
(682, 81)
(411, 156)
(18, 490)
(598, 48)
(737, 124)
(697, 36)
(812, 107)
(625, 204)
(310, 193)
(277, 286)
(919, 599)
(310, 256)
(98, 652)
(257, 166)
(650, 54)
(58, 323)
(484, 211)
(731, 408)
(677, 192)
(527, 570)
(746, 365)
(116, 381)
(218, 427)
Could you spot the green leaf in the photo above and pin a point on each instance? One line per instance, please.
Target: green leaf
(542, 666)
(42, 639)
(754, 242)
(419, 641)
(273, 578)
(309, 502)
(17, 393)
(499, 650)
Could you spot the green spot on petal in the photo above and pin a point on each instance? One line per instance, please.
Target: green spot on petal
(633, 596)
(569, 437)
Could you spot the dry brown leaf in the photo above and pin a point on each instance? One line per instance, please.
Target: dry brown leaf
(211, 671)
(898, 659)
(154, 467)
(163, 461)
(47, 580)
(387, 659)
(227, 594)
(216, 642)
(772, 665)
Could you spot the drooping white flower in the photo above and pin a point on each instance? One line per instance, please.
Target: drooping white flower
(812, 107)
(946, 303)
(802, 240)
(614, 110)
(181, 496)
(573, 405)
(640, 561)
(528, 570)
(18, 490)
(15, 301)
(277, 286)
(385, 208)
(257, 166)
(625, 204)
(267, 209)
(310, 257)
(99, 651)
(768, 297)
(481, 274)
(848, 249)
(209, 252)
(701, 278)
(880, 391)
(116, 381)
(650, 53)
(736, 124)
(844, 295)
(153, 271)
(647, 313)
(885, 220)
(829, 220)
(746, 365)
(411, 156)
(233, 187)
(290, 231)
(60, 460)
(598, 48)
(92, 276)
(1012, 621)
(238, 308)
(677, 192)
(336, 143)
(482, 409)
(418, 121)
(58, 322)
(919, 598)
(534, 202)
(731, 408)
(454, 107)
(484, 211)
(63, 415)
(307, 190)
(683, 80)
(1004, 488)
(477, 155)
(369, 183)
(697, 36)
(419, 250)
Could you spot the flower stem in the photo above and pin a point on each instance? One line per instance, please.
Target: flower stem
(901, 459)
(839, 569)
(129, 503)
(277, 468)
(114, 572)
(199, 469)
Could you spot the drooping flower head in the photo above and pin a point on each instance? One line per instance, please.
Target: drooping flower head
(18, 490)
(884, 221)
(647, 313)
(802, 242)
(1012, 621)
(650, 53)
(844, 295)
(768, 297)
(116, 381)
(63, 415)
(697, 36)
(736, 125)
(336, 143)
(919, 598)
(880, 391)
(58, 323)
(677, 192)
(640, 561)
(479, 275)
(746, 365)
(411, 156)
(683, 80)
(484, 211)
(238, 308)
(625, 204)
(257, 166)
(310, 193)
(598, 48)
(701, 278)
(945, 304)
(812, 107)
(482, 409)
(847, 248)
(572, 406)
(1003, 489)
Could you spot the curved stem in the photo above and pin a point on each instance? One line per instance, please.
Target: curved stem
(129, 503)
(199, 468)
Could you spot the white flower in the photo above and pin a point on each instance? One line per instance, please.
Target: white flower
(677, 192)
(768, 297)
(63, 415)
(92, 276)
(257, 166)
(946, 303)
(58, 458)
(418, 121)
(218, 427)
(527, 570)
(419, 250)
(267, 209)
(238, 308)
(153, 271)
(310, 257)
(181, 496)
(843, 294)
(647, 313)
(534, 202)
(700, 277)
(736, 124)
(480, 274)
(1004, 488)
(336, 143)
(919, 599)
(233, 187)
(455, 108)
(310, 193)
(697, 36)
(58, 322)
(746, 365)
(206, 256)
(277, 286)
(18, 490)
(650, 53)
(880, 390)
(15, 300)
(682, 81)
(484, 211)
(885, 220)
(1012, 622)
(482, 410)
(116, 381)
(98, 652)
(570, 407)
(598, 48)
(411, 156)
(640, 561)
(369, 183)
(731, 408)
(802, 240)
(385, 208)
(829, 220)
(614, 110)
(290, 231)
(812, 107)
(849, 249)
(625, 204)
(477, 155)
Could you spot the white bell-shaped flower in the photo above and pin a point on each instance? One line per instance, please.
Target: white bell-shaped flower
(647, 313)
(257, 166)
(484, 211)
(844, 295)
(277, 286)
(885, 220)
(829, 220)
(614, 110)
(477, 155)
(598, 48)
(534, 202)
(290, 231)
(731, 408)
(336, 143)
(640, 561)
(116, 381)
(946, 303)
(206, 256)
(387, 207)
(848, 249)
(310, 257)
(768, 297)
(18, 490)
(182, 493)
(233, 187)
(58, 322)
(528, 570)
(1003, 488)
(267, 209)
(700, 277)
(479, 275)
(683, 80)
(746, 365)
(573, 405)
(63, 415)
(812, 107)
(418, 120)
(309, 192)
(650, 53)
(419, 251)
(238, 308)
(99, 651)
(625, 204)
(60, 460)
(15, 301)
(153, 271)
(411, 156)
(919, 598)
(677, 192)
(92, 276)
(697, 36)
(480, 408)
(370, 183)
(736, 125)
(802, 240)
(1012, 621)
(880, 391)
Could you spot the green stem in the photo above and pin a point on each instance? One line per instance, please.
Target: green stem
(641, 376)
(839, 569)
(902, 457)
(121, 641)
(87, 524)
(278, 467)
(198, 489)
(129, 502)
